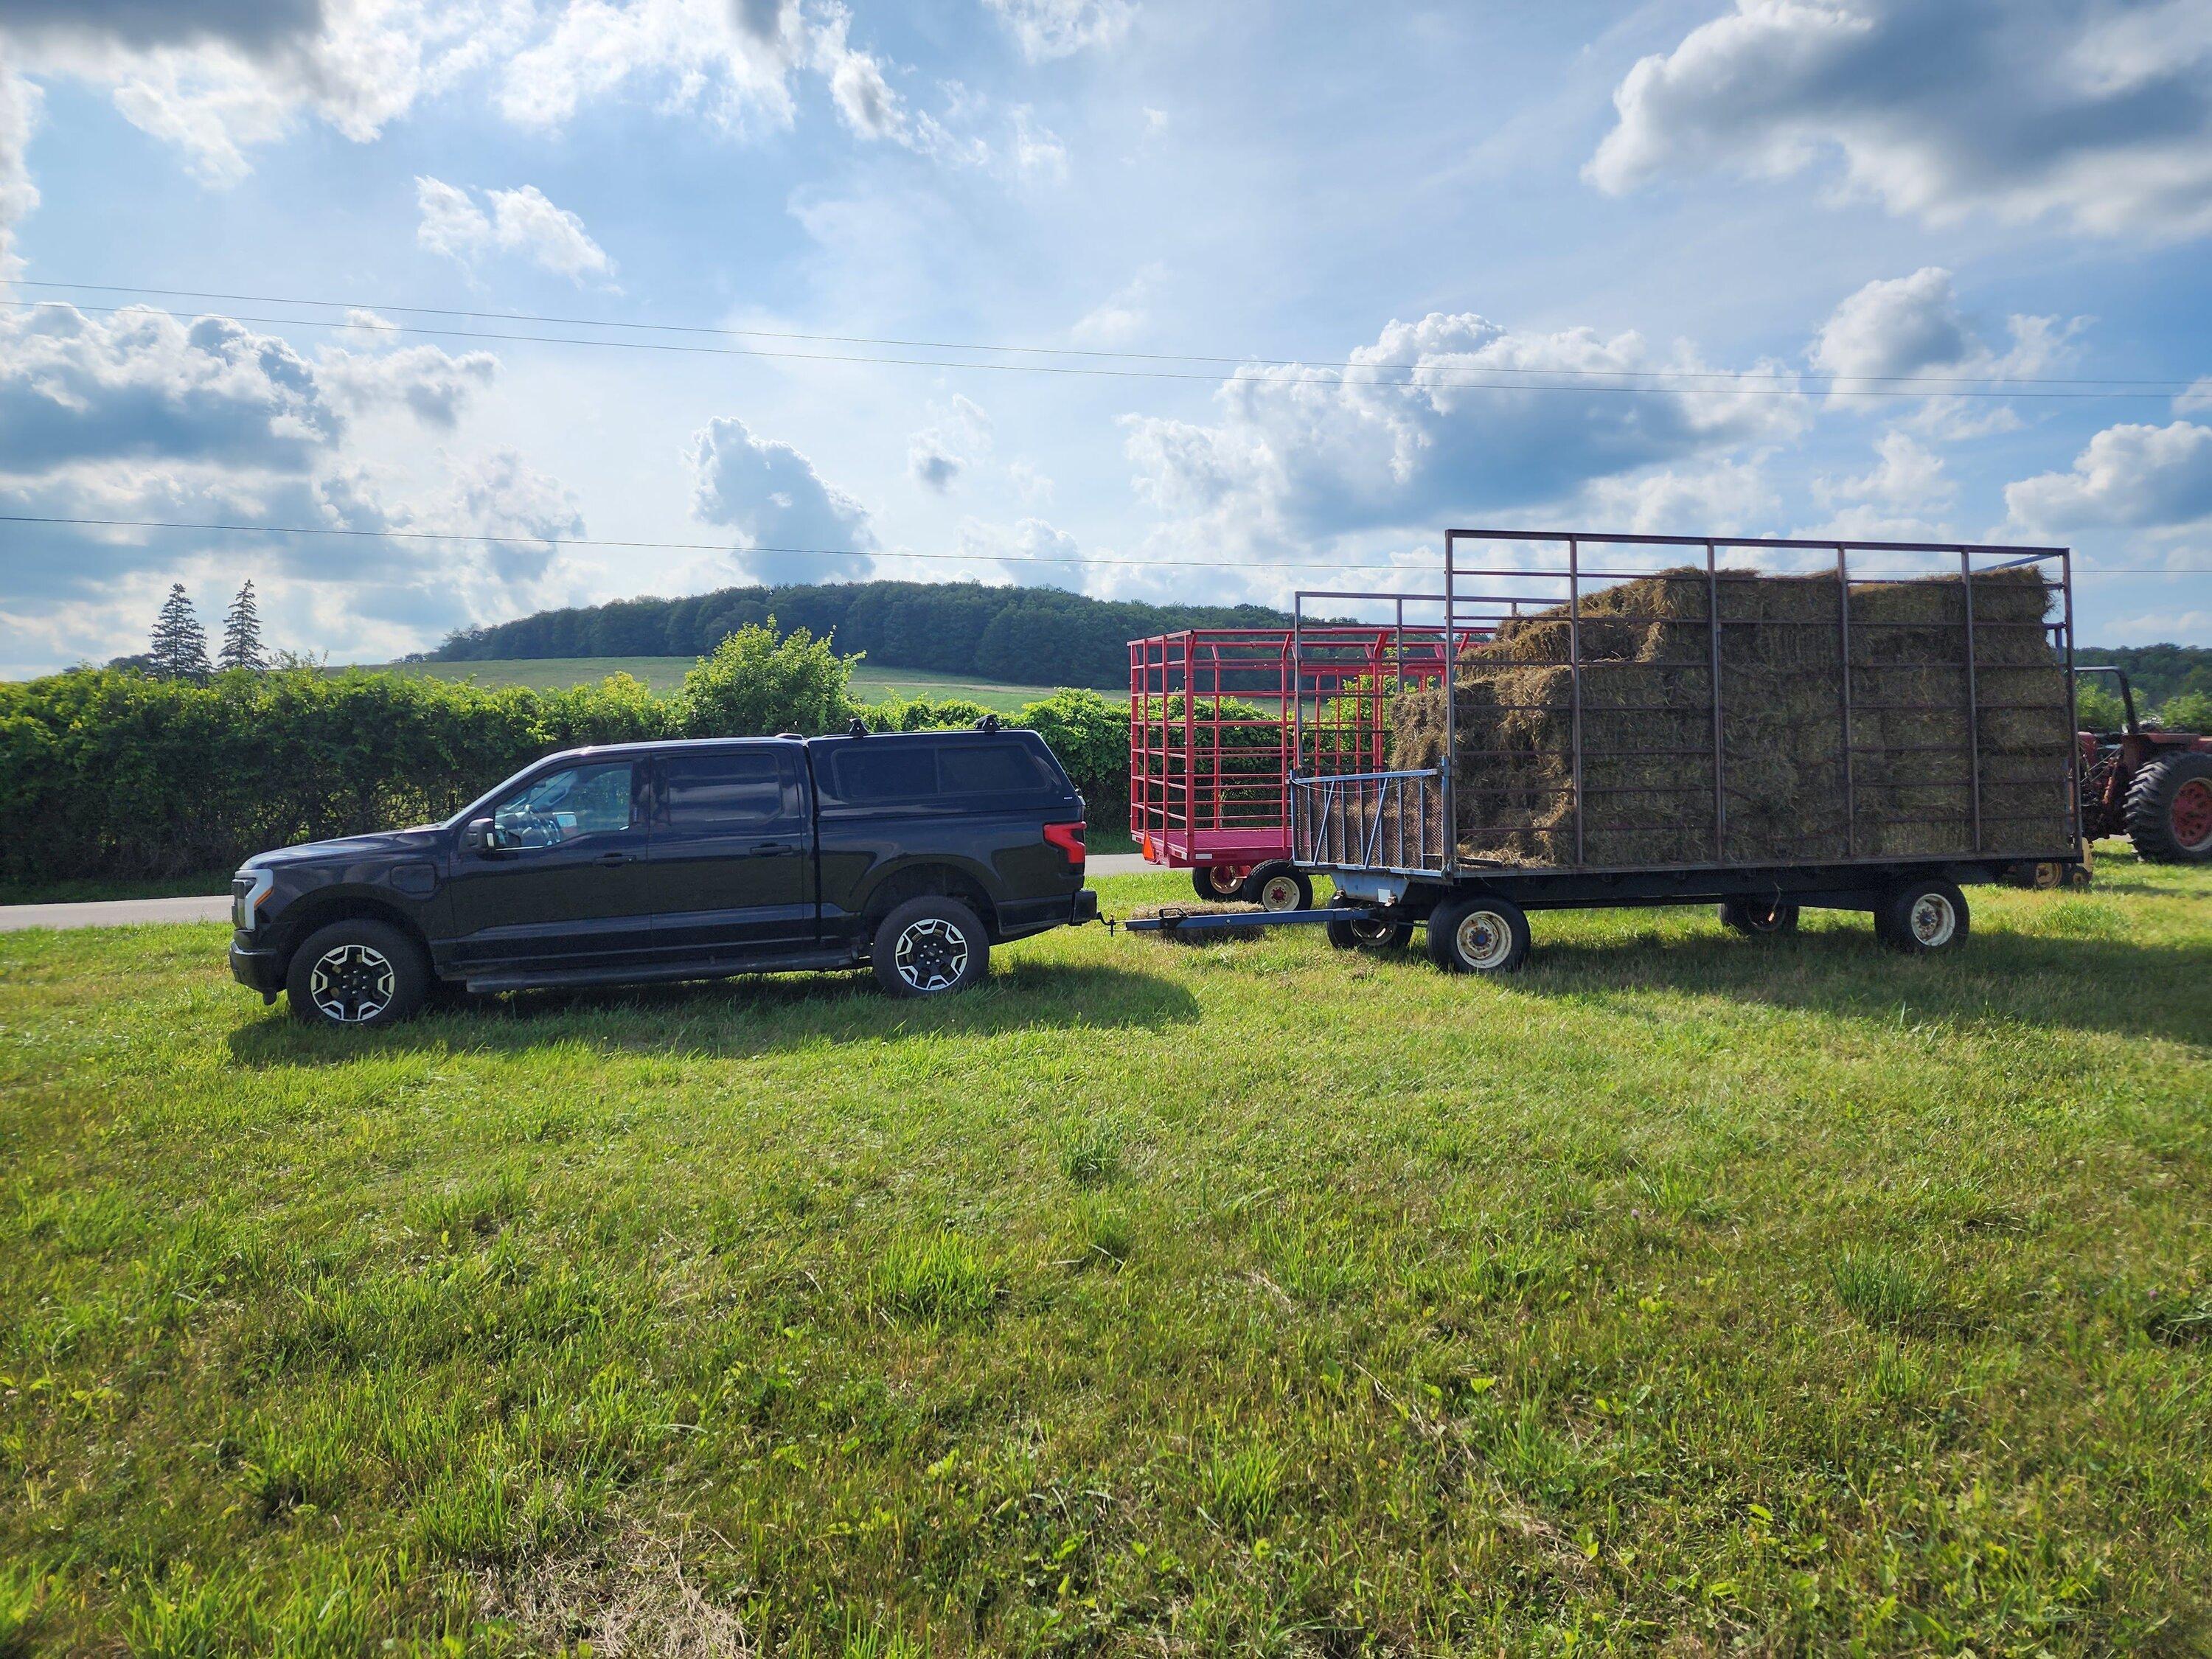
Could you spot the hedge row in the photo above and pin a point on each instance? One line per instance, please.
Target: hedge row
(109, 774)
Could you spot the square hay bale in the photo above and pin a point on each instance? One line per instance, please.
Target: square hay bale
(1784, 644)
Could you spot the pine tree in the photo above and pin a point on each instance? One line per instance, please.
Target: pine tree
(179, 643)
(241, 633)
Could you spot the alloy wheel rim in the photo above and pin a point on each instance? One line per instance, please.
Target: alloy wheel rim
(1933, 920)
(930, 955)
(2193, 814)
(1483, 940)
(352, 984)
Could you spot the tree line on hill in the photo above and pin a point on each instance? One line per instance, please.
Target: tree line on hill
(1024, 636)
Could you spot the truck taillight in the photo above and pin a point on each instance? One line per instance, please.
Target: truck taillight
(1068, 837)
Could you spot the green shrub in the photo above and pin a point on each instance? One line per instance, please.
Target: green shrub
(110, 774)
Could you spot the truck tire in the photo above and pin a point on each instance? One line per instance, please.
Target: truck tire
(1360, 931)
(2169, 812)
(1922, 917)
(1216, 883)
(931, 946)
(1278, 885)
(1478, 936)
(1755, 917)
(356, 973)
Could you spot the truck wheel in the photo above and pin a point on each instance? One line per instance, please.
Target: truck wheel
(1922, 917)
(1216, 883)
(356, 973)
(1478, 936)
(1277, 885)
(2170, 809)
(1752, 917)
(931, 946)
(1361, 932)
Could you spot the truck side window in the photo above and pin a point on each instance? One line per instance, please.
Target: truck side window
(563, 806)
(720, 789)
(870, 774)
(991, 769)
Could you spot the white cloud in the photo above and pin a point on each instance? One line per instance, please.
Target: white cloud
(1036, 149)
(1002, 553)
(19, 113)
(1908, 474)
(1321, 451)
(959, 436)
(2133, 477)
(219, 80)
(772, 496)
(2198, 396)
(519, 221)
(1726, 498)
(1124, 315)
(1060, 28)
(2093, 116)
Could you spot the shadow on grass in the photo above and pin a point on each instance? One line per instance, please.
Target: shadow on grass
(2081, 984)
(740, 1016)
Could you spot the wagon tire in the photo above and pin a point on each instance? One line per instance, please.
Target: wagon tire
(1756, 918)
(2169, 812)
(356, 974)
(1478, 936)
(1216, 883)
(1277, 886)
(931, 946)
(1359, 931)
(1921, 918)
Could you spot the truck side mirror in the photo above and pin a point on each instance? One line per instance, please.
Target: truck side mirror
(481, 836)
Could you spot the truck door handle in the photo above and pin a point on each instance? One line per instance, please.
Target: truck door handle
(612, 859)
(774, 849)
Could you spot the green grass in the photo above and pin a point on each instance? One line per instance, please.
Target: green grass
(1686, 1293)
(665, 674)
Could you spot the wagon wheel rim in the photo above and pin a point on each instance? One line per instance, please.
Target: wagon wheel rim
(1933, 920)
(352, 984)
(931, 954)
(1764, 918)
(2193, 814)
(1483, 940)
(1224, 879)
(1373, 933)
(1278, 893)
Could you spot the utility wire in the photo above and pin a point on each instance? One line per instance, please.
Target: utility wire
(1423, 377)
(1248, 361)
(839, 552)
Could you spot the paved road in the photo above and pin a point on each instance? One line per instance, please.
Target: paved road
(115, 913)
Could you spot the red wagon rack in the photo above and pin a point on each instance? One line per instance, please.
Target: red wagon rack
(1213, 735)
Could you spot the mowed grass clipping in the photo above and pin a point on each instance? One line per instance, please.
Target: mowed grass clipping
(1688, 1292)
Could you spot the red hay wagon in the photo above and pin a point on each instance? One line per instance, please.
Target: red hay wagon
(1212, 731)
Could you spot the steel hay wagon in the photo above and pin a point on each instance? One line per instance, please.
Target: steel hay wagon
(1767, 726)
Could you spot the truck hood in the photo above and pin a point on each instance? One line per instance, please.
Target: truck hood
(387, 843)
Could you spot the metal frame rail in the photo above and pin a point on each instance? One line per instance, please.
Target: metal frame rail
(1404, 821)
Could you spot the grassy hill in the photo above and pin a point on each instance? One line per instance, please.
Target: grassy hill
(1687, 1294)
(665, 674)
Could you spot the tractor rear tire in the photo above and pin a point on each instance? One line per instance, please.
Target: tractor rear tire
(2170, 809)
(1755, 918)
(1278, 885)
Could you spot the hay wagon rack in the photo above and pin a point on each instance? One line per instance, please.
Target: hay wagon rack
(1768, 724)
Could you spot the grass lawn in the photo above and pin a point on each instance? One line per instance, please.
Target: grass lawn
(1686, 1293)
(665, 674)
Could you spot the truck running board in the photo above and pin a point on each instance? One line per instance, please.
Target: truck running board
(788, 961)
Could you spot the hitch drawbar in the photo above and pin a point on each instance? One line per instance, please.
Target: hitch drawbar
(1230, 921)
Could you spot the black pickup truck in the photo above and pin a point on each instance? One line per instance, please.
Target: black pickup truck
(913, 854)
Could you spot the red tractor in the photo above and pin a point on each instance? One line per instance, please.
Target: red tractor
(2152, 786)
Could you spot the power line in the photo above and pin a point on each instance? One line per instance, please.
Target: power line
(1247, 360)
(832, 552)
(1423, 377)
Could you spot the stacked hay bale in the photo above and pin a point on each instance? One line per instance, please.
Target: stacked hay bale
(1648, 725)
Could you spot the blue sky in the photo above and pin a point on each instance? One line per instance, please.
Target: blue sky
(2012, 195)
